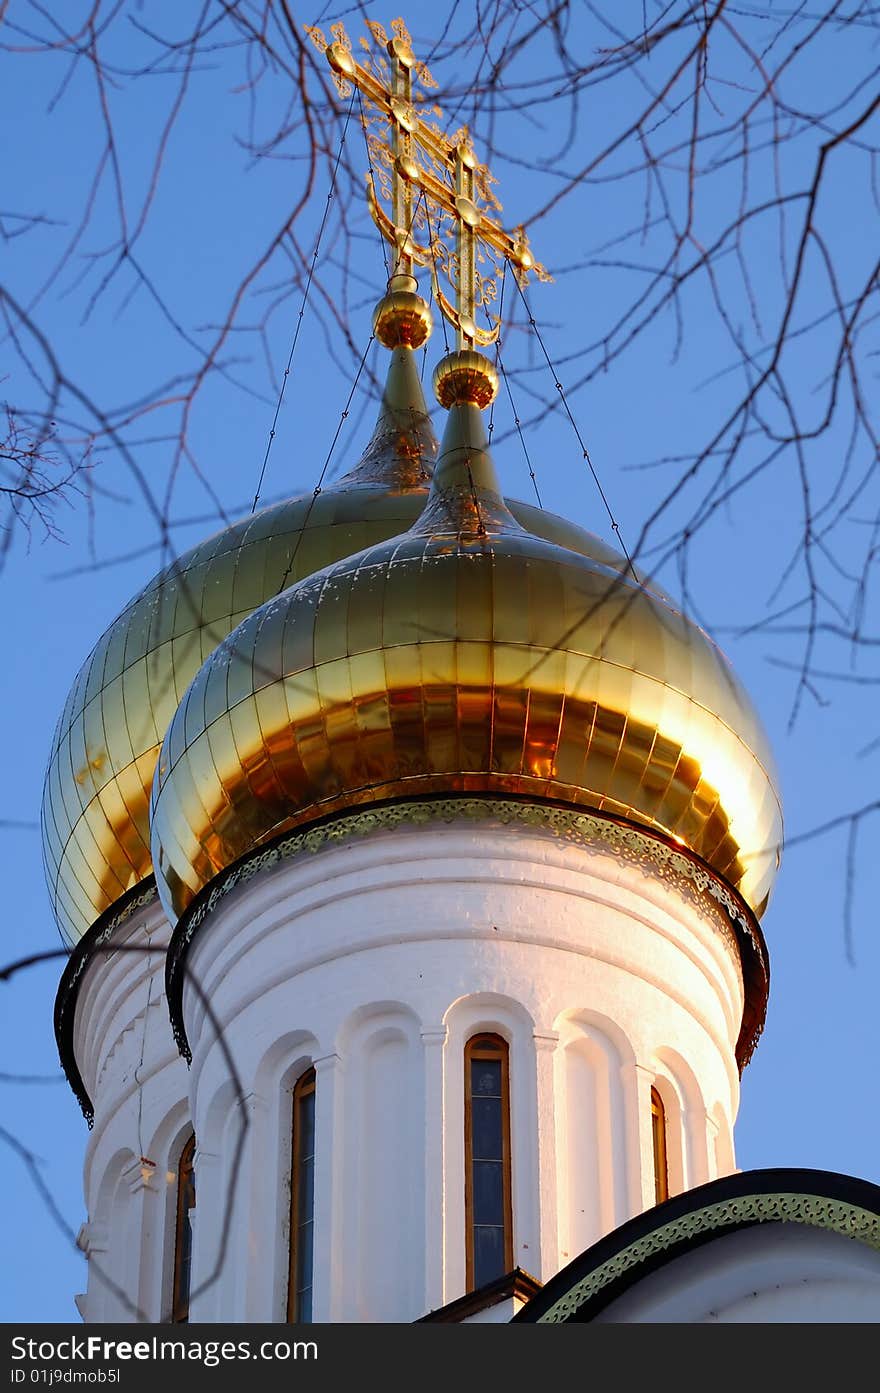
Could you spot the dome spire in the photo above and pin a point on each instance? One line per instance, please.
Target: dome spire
(437, 194)
(465, 499)
(403, 445)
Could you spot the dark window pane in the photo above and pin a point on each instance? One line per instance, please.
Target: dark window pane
(189, 1191)
(303, 1196)
(486, 1077)
(186, 1201)
(305, 1126)
(488, 1173)
(185, 1271)
(488, 1254)
(488, 1192)
(486, 1128)
(305, 1193)
(304, 1247)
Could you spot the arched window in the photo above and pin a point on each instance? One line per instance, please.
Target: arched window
(489, 1233)
(302, 1200)
(183, 1234)
(658, 1134)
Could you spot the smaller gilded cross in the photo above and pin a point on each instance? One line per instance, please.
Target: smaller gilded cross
(421, 165)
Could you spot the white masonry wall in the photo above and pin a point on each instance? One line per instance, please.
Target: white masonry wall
(139, 1086)
(375, 960)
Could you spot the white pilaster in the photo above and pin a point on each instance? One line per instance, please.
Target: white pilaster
(434, 1042)
(212, 1260)
(329, 1143)
(643, 1178)
(547, 1260)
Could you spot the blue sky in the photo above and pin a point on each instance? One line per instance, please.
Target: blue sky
(809, 1094)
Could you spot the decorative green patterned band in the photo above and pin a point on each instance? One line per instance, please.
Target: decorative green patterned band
(655, 856)
(817, 1211)
(583, 829)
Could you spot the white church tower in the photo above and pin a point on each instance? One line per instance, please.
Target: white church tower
(413, 848)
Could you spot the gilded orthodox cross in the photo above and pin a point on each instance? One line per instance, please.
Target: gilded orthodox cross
(430, 183)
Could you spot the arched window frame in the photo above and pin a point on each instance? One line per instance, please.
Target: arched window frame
(302, 1195)
(495, 1047)
(659, 1148)
(185, 1204)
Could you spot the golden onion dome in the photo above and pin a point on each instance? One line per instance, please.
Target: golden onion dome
(96, 837)
(466, 655)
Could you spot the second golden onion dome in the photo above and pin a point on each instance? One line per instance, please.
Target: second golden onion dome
(96, 836)
(466, 655)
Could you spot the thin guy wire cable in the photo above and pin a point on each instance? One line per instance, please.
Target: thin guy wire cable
(499, 363)
(317, 489)
(372, 179)
(414, 213)
(497, 344)
(475, 499)
(341, 461)
(412, 222)
(425, 348)
(303, 305)
(433, 246)
(518, 424)
(615, 525)
(140, 1063)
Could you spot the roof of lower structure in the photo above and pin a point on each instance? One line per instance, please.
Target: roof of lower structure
(823, 1200)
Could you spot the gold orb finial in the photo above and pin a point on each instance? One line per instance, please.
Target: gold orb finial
(402, 318)
(465, 376)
